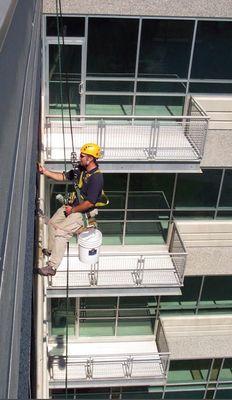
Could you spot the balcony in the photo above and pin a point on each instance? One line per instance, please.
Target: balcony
(110, 363)
(123, 273)
(131, 143)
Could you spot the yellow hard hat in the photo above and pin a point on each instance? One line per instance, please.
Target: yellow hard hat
(91, 149)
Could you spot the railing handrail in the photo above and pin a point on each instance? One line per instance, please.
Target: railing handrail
(198, 106)
(144, 256)
(119, 357)
(79, 271)
(145, 117)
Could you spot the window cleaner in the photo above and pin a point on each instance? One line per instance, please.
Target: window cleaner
(77, 215)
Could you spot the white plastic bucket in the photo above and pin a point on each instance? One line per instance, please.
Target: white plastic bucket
(89, 243)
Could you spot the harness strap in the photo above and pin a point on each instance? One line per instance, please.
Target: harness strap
(79, 184)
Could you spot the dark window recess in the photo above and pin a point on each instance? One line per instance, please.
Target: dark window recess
(72, 26)
(226, 195)
(213, 51)
(198, 190)
(220, 88)
(165, 48)
(112, 45)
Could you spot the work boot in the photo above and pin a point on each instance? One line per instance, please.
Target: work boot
(47, 271)
(46, 252)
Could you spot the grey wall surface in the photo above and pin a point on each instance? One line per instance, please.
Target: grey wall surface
(177, 8)
(19, 110)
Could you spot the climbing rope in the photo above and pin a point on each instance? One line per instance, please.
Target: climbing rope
(60, 54)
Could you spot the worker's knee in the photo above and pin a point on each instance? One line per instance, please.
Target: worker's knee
(61, 233)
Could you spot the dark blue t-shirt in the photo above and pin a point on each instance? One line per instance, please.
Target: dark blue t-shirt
(92, 184)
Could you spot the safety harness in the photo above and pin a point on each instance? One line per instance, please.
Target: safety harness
(78, 184)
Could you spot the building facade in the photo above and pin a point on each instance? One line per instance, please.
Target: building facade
(20, 77)
(153, 87)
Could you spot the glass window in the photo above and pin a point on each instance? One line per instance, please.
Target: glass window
(212, 57)
(188, 370)
(165, 48)
(72, 26)
(187, 300)
(159, 105)
(108, 105)
(146, 232)
(194, 214)
(139, 393)
(115, 188)
(220, 88)
(166, 87)
(135, 326)
(160, 186)
(226, 371)
(63, 92)
(62, 314)
(198, 190)
(111, 232)
(217, 292)
(136, 316)
(224, 394)
(143, 302)
(109, 86)
(105, 215)
(97, 316)
(112, 45)
(148, 215)
(98, 303)
(185, 394)
(226, 194)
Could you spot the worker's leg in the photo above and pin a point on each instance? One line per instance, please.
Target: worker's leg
(63, 233)
(54, 222)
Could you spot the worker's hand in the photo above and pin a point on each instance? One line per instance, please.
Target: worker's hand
(40, 168)
(68, 210)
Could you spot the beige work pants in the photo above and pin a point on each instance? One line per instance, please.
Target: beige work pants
(60, 230)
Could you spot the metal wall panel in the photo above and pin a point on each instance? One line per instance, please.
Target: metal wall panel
(19, 110)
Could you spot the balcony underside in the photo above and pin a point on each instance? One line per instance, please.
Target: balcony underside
(115, 363)
(119, 274)
(135, 167)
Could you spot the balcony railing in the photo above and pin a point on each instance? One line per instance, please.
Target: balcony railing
(120, 270)
(125, 138)
(134, 365)
(111, 367)
(126, 271)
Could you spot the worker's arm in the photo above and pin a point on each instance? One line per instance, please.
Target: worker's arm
(57, 176)
(82, 207)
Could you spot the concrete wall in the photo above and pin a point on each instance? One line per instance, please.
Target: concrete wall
(19, 110)
(195, 337)
(209, 246)
(177, 8)
(219, 137)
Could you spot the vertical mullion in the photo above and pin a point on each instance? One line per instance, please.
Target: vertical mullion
(218, 381)
(137, 65)
(116, 317)
(84, 67)
(157, 316)
(219, 193)
(173, 198)
(125, 213)
(191, 55)
(77, 319)
(200, 293)
(208, 377)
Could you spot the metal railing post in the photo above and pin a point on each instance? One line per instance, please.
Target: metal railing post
(101, 135)
(93, 275)
(89, 368)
